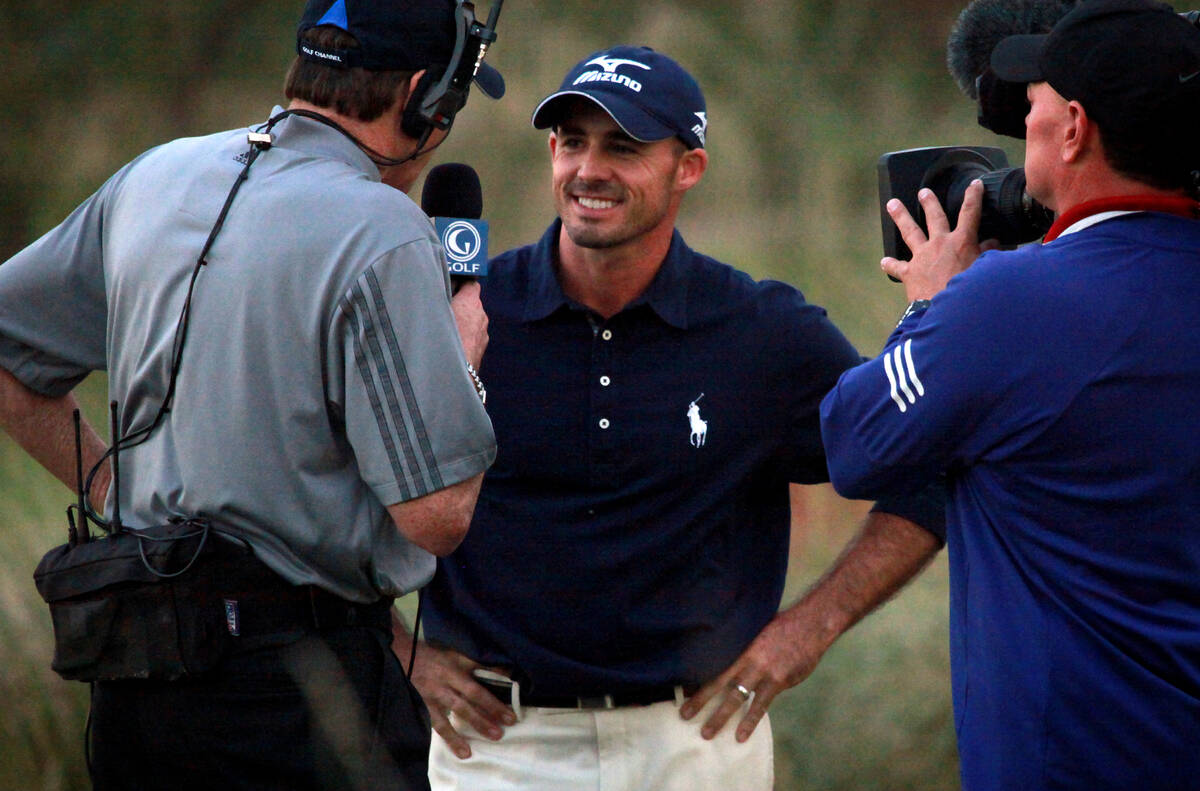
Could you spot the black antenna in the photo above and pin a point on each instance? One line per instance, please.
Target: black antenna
(84, 534)
(494, 15)
(72, 533)
(115, 525)
(487, 34)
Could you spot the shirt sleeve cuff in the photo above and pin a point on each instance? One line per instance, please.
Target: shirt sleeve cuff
(926, 508)
(909, 321)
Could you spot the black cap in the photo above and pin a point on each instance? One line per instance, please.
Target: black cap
(1134, 65)
(393, 35)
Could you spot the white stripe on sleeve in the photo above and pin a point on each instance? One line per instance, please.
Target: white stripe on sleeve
(912, 370)
(887, 367)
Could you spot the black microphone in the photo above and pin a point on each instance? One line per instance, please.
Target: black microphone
(985, 23)
(980, 27)
(453, 199)
(452, 190)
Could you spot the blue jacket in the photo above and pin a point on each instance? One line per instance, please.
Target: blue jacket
(1059, 387)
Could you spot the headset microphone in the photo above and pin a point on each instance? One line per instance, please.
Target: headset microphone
(442, 92)
(453, 199)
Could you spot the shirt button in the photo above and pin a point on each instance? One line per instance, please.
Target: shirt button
(606, 335)
(604, 422)
(605, 381)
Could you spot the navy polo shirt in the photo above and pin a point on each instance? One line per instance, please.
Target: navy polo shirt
(633, 530)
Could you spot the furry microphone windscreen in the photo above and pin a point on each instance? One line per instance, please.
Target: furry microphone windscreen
(985, 23)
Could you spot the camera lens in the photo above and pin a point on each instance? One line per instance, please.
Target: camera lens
(1009, 215)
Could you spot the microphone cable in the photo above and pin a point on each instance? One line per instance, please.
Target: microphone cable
(260, 140)
(380, 160)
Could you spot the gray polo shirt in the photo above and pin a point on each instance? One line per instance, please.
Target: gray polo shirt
(322, 378)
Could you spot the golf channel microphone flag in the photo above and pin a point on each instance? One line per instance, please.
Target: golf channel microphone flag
(453, 199)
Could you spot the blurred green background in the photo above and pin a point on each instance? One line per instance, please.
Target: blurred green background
(803, 96)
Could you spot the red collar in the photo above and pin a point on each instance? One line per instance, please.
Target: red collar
(1168, 204)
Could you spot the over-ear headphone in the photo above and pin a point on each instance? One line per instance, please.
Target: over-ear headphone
(415, 122)
(442, 90)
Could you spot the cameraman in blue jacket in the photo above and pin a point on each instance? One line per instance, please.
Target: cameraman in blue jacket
(1058, 386)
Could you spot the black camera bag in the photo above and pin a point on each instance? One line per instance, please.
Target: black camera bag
(135, 604)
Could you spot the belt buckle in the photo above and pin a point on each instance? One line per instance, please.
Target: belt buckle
(596, 702)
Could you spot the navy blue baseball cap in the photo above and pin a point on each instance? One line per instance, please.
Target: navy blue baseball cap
(649, 95)
(393, 35)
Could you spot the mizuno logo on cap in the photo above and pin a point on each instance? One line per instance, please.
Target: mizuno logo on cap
(700, 129)
(611, 64)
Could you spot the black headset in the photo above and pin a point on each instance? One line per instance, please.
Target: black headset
(442, 90)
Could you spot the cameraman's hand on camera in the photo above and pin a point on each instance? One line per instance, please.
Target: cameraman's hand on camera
(944, 253)
(472, 321)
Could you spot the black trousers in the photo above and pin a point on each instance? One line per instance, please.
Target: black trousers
(327, 710)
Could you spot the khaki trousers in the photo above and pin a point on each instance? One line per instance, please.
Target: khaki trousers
(634, 748)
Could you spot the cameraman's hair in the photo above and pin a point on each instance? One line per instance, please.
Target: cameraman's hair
(356, 93)
(1151, 160)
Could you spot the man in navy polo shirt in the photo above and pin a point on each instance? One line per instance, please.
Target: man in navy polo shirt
(1059, 386)
(628, 552)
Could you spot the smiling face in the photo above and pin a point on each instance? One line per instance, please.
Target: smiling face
(611, 190)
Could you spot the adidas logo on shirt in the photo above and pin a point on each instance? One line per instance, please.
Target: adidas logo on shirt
(902, 376)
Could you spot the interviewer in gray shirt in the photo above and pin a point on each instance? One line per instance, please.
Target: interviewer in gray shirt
(324, 414)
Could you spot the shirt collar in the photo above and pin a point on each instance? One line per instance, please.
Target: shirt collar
(1088, 222)
(1073, 219)
(297, 133)
(667, 294)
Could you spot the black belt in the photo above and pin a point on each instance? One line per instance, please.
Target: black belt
(302, 607)
(253, 600)
(615, 700)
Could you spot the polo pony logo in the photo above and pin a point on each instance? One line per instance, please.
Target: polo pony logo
(699, 425)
